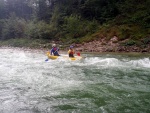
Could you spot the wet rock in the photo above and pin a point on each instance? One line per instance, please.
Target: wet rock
(144, 50)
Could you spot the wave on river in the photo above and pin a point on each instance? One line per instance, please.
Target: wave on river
(99, 83)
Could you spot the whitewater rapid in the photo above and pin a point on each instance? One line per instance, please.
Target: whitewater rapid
(103, 82)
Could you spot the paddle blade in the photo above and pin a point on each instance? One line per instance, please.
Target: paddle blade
(46, 60)
(78, 54)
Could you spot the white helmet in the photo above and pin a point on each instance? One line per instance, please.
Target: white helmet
(54, 45)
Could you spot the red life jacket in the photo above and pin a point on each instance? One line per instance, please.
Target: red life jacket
(71, 52)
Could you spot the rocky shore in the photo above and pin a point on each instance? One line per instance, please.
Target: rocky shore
(113, 45)
(100, 45)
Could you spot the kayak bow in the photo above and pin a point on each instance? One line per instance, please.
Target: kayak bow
(51, 56)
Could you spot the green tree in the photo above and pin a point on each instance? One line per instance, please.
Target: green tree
(13, 28)
(102, 10)
(2, 9)
(136, 12)
(20, 7)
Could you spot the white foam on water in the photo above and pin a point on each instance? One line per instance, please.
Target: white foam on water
(145, 62)
(114, 62)
(26, 78)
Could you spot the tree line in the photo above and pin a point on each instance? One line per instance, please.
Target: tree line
(68, 19)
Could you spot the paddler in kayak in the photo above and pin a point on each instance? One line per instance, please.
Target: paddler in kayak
(54, 50)
(71, 51)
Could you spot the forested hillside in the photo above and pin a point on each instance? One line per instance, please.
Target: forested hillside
(75, 21)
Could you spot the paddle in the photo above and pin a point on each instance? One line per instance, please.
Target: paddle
(47, 54)
(46, 60)
(78, 53)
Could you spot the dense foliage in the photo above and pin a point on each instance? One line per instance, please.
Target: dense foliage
(73, 19)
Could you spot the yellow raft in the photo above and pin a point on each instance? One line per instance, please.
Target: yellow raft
(73, 58)
(66, 57)
(51, 56)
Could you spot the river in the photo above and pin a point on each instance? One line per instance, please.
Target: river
(99, 83)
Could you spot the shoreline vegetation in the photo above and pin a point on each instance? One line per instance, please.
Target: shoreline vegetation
(84, 54)
(96, 46)
(88, 25)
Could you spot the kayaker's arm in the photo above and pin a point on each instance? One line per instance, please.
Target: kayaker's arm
(51, 51)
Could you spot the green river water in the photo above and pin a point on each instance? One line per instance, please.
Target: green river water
(99, 83)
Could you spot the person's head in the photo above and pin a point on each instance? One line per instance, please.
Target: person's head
(54, 45)
(71, 47)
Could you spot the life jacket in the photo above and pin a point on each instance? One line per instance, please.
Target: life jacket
(71, 53)
(54, 50)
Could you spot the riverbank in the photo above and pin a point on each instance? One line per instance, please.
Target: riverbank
(99, 45)
(112, 45)
(64, 52)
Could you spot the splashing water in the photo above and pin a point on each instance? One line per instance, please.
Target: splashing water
(97, 84)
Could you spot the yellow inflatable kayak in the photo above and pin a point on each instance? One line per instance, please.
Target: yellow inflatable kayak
(66, 57)
(51, 56)
(73, 58)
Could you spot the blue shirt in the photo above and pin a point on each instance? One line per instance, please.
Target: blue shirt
(54, 51)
